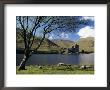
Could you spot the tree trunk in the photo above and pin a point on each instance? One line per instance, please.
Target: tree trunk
(23, 63)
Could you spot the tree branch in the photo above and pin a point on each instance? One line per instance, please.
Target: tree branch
(31, 35)
(40, 42)
(24, 32)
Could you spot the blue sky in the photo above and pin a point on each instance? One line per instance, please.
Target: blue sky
(82, 32)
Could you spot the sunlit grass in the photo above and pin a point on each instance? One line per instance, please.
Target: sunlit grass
(54, 69)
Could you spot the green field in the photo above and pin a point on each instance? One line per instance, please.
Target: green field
(55, 69)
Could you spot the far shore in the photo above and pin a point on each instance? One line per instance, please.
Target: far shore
(53, 52)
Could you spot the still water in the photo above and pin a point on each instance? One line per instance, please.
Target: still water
(48, 59)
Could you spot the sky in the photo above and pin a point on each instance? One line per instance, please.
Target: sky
(82, 32)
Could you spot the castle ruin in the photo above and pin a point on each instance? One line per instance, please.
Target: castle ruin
(74, 49)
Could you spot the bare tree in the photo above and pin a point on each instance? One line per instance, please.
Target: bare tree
(28, 26)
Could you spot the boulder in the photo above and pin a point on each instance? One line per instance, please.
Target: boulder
(60, 64)
(40, 67)
(83, 67)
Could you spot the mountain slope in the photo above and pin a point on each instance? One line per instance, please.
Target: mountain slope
(46, 45)
(64, 43)
(86, 44)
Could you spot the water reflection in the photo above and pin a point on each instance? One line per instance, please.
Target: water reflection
(46, 59)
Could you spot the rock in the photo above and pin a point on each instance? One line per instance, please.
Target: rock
(88, 67)
(40, 67)
(83, 67)
(60, 64)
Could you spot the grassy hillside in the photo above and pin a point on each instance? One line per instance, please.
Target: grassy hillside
(86, 44)
(64, 43)
(46, 46)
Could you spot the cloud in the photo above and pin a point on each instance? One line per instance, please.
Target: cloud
(86, 32)
(88, 17)
(51, 36)
(64, 35)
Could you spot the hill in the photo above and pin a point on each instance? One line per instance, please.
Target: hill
(64, 43)
(46, 46)
(86, 44)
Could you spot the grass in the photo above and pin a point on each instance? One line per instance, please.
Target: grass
(54, 69)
